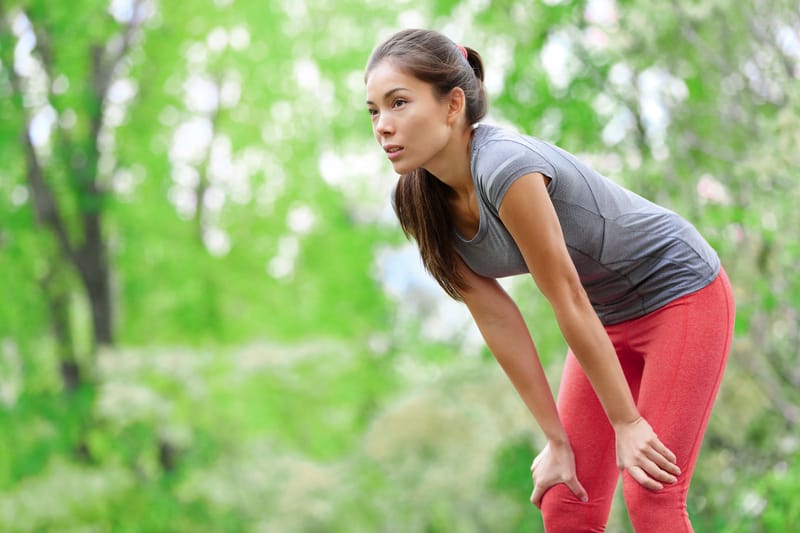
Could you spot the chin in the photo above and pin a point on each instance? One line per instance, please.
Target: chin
(403, 168)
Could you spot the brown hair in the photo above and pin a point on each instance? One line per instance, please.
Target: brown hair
(420, 199)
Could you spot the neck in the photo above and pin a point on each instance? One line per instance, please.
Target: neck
(452, 166)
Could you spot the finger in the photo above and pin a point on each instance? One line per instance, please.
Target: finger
(577, 489)
(663, 465)
(666, 452)
(643, 479)
(665, 458)
(656, 472)
(536, 497)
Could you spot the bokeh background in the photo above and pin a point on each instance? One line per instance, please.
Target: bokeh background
(209, 320)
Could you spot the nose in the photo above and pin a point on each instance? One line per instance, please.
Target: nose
(383, 125)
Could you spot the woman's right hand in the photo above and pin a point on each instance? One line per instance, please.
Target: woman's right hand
(555, 464)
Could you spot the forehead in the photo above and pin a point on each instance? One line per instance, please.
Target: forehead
(387, 76)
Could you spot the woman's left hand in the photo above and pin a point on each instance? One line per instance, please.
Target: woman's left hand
(643, 456)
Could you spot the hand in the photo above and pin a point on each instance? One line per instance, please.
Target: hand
(645, 458)
(555, 464)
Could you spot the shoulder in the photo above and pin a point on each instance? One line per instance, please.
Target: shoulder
(501, 156)
(496, 147)
(491, 140)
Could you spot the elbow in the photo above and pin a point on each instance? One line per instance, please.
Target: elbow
(490, 306)
(569, 297)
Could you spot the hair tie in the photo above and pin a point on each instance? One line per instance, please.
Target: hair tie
(463, 52)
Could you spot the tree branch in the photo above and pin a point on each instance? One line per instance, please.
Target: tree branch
(105, 64)
(688, 31)
(45, 206)
(767, 373)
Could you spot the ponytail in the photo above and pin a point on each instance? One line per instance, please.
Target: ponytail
(421, 204)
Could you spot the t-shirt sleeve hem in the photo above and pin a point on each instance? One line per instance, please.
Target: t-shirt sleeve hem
(513, 177)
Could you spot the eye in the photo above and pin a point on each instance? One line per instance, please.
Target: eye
(399, 103)
(372, 112)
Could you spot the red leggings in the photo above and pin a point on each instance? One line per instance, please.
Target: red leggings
(673, 359)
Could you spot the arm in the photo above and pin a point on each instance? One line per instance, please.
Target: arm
(529, 215)
(504, 330)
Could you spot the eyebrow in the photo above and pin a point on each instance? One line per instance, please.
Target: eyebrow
(388, 94)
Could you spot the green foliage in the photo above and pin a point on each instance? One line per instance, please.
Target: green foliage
(265, 373)
(782, 511)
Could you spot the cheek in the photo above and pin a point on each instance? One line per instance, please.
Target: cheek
(428, 123)
(432, 132)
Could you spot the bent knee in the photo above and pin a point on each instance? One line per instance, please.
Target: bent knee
(563, 512)
(636, 496)
(656, 511)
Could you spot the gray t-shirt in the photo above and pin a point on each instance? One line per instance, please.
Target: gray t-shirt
(632, 255)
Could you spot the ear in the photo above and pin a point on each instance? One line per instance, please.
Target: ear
(456, 105)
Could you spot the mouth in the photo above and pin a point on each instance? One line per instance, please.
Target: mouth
(393, 151)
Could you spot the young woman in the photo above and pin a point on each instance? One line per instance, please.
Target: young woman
(639, 296)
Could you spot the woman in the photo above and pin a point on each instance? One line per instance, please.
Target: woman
(639, 296)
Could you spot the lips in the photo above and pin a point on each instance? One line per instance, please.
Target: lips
(393, 151)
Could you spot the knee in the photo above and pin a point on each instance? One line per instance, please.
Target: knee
(562, 512)
(656, 511)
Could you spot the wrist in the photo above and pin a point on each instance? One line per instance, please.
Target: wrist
(558, 441)
(627, 422)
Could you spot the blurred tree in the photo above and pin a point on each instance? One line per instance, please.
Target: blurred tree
(62, 156)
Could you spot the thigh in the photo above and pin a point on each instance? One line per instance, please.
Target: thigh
(685, 349)
(592, 440)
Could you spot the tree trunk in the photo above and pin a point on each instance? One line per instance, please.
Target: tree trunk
(92, 263)
(57, 296)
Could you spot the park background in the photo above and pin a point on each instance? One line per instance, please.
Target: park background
(210, 320)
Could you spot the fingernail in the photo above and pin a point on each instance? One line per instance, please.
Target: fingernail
(584, 499)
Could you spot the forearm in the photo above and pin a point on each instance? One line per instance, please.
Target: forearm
(510, 342)
(589, 341)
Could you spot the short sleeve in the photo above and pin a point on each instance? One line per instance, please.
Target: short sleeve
(500, 163)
